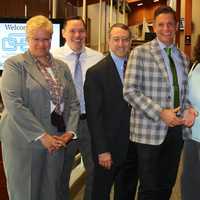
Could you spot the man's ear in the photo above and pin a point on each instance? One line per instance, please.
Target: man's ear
(63, 32)
(154, 27)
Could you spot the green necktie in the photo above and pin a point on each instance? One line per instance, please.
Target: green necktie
(175, 78)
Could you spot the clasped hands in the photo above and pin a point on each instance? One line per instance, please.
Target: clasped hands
(54, 142)
(170, 117)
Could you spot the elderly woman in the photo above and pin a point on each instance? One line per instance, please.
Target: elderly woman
(191, 162)
(40, 116)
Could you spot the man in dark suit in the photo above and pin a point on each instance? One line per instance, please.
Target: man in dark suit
(108, 117)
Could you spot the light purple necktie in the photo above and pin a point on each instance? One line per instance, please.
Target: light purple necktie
(78, 80)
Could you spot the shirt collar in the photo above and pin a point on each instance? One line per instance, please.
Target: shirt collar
(162, 45)
(117, 58)
(68, 51)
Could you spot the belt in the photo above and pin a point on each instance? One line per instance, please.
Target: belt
(83, 116)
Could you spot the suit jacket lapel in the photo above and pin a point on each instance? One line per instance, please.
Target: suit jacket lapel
(156, 53)
(184, 63)
(33, 71)
(59, 73)
(114, 72)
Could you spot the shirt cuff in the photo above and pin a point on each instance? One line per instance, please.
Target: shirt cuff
(37, 138)
(73, 133)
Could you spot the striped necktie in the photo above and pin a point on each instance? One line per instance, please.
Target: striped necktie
(175, 78)
(124, 68)
(78, 80)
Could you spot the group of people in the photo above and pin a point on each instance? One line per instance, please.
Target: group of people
(125, 113)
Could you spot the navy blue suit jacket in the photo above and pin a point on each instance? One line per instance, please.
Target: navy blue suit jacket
(108, 114)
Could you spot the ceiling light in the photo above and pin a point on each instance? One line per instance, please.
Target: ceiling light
(140, 4)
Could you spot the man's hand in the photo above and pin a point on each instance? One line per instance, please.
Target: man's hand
(170, 118)
(189, 116)
(105, 160)
(51, 143)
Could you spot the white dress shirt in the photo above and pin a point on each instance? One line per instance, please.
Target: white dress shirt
(88, 58)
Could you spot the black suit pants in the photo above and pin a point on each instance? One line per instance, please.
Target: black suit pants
(104, 180)
(158, 166)
(128, 178)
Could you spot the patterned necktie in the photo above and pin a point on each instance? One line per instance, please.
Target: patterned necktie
(78, 80)
(175, 78)
(124, 68)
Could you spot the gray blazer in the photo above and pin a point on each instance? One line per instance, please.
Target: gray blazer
(147, 89)
(27, 107)
(26, 116)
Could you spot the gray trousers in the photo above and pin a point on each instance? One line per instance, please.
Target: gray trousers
(82, 144)
(190, 181)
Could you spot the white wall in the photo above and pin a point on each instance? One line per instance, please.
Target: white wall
(93, 14)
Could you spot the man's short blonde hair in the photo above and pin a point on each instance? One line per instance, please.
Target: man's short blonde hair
(38, 22)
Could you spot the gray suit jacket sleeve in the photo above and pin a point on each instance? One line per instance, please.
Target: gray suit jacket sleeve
(11, 91)
(72, 110)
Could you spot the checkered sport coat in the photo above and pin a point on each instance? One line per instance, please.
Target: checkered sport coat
(147, 89)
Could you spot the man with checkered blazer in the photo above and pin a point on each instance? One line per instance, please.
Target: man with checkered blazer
(156, 124)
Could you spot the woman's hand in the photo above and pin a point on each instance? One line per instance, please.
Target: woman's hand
(65, 137)
(51, 143)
